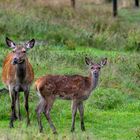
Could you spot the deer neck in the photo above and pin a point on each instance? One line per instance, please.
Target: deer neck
(94, 80)
(21, 72)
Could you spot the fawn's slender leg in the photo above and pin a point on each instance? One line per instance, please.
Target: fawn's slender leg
(81, 111)
(48, 107)
(74, 111)
(39, 109)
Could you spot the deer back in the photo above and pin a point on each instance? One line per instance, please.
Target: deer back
(64, 86)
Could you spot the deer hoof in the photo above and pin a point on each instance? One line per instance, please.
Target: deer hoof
(72, 130)
(28, 123)
(55, 132)
(19, 118)
(83, 129)
(11, 125)
(41, 130)
(15, 118)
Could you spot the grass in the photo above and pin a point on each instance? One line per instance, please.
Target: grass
(64, 37)
(112, 112)
(100, 124)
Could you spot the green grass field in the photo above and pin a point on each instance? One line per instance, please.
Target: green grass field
(64, 37)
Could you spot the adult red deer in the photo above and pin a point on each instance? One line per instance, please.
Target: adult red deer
(17, 75)
(68, 87)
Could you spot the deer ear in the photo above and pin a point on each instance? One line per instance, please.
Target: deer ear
(103, 62)
(10, 43)
(87, 60)
(30, 44)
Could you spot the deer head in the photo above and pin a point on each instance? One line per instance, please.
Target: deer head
(95, 67)
(19, 51)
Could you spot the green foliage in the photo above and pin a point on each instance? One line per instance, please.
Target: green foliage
(133, 41)
(64, 37)
(84, 27)
(108, 99)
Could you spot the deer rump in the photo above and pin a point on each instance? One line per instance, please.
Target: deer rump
(66, 87)
(9, 71)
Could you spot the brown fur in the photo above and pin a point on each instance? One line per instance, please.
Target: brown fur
(17, 75)
(69, 87)
(65, 87)
(8, 71)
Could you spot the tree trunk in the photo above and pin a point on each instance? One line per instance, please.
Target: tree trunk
(114, 8)
(137, 3)
(73, 3)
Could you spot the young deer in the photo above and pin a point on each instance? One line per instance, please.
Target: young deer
(76, 88)
(17, 75)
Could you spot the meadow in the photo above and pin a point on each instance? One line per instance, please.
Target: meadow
(64, 37)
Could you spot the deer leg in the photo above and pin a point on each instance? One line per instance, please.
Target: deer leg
(18, 105)
(26, 96)
(13, 114)
(81, 111)
(74, 111)
(48, 107)
(15, 96)
(39, 109)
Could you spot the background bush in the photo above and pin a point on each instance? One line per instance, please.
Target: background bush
(108, 99)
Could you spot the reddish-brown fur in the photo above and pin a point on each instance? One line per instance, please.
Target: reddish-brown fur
(63, 86)
(17, 75)
(8, 70)
(69, 87)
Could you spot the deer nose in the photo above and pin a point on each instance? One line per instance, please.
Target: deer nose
(95, 71)
(15, 60)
